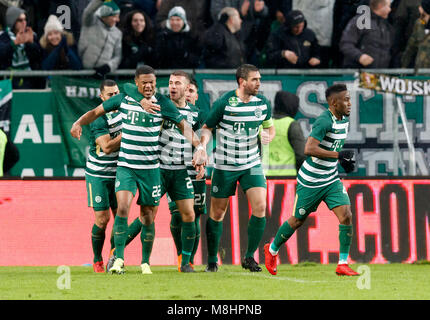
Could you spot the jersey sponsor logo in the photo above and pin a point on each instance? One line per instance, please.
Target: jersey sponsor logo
(190, 118)
(233, 101)
(238, 126)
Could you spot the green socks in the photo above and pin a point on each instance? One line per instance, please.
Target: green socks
(187, 238)
(97, 240)
(133, 230)
(345, 238)
(284, 233)
(213, 234)
(147, 237)
(197, 239)
(120, 235)
(175, 230)
(256, 227)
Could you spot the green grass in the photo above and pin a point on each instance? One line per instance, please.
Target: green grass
(303, 281)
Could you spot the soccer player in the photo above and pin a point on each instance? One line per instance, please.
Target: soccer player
(105, 138)
(318, 179)
(138, 160)
(199, 185)
(237, 115)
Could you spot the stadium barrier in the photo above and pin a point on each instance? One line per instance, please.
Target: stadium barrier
(47, 222)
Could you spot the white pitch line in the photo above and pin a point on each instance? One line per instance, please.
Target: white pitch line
(279, 278)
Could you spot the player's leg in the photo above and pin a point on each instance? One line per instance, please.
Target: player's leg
(188, 231)
(147, 236)
(306, 201)
(175, 227)
(197, 238)
(98, 237)
(199, 209)
(337, 200)
(224, 184)
(120, 227)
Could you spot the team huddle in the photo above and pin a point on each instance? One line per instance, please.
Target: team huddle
(147, 142)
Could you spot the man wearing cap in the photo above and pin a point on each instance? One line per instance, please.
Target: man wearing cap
(419, 43)
(368, 48)
(19, 48)
(293, 45)
(100, 40)
(176, 47)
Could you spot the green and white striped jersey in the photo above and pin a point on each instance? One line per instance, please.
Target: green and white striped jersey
(100, 164)
(319, 172)
(140, 129)
(238, 126)
(175, 149)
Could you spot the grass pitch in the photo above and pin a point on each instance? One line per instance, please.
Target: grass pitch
(303, 281)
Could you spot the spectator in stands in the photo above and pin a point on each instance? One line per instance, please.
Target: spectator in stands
(293, 45)
(418, 47)
(176, 48)
(287, 149)
(255, 24)
(196, 14)
(362, 48)
(223, 47)
(100, 41)
(278, 10)
(137, 41)
(404, 20)
(319, 18)
(58, 47)
(150, 7)
(19, 48)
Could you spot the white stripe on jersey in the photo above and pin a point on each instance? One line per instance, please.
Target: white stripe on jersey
(140, 128)
(312, 179)
(91, 158)
(323, 162)
(318, 171)
(139, 147)
(139, 138)
(336, 136)
(101, 169)
(318, 186)
(245, 109)
(243, 119)
(138, 156)
(138, 166)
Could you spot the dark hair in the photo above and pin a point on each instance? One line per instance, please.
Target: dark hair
(129, 36)
(107, 83)
(144, 70)
(181, 73)
(336, 88)
(194, 82)
(244, 70)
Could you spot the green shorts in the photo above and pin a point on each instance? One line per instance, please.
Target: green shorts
(177, 184)
(147, 181)
(224, 182)
(100, 193)
(199, 198)
(308, 199)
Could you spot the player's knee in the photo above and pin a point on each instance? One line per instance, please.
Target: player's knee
(346, 217)
(101, 221)
(295, 223)
(122, 211)
(188, 216)
(259, 209)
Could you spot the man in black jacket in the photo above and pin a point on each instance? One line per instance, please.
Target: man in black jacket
(223, 45)
(293, 45)
(368, 47)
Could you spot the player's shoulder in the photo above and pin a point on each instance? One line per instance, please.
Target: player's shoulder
(262, 98)
(225, 97)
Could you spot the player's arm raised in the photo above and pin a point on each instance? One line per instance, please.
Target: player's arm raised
(86, 119)
(313, 149)
(107, 144)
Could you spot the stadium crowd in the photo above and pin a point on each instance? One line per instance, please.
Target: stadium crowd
(192, 34)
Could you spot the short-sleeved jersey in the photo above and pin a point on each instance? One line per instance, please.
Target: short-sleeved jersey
(100, 164)
(140, 129)
(175, 149)
(238, 126)
(331, 132)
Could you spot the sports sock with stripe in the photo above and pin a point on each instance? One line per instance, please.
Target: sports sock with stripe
(284, 233)
(147, 236)
(175, 230)
(97, 240)
(197, 239)
(133, 230)
(345, 238)
(213, 234)
(256, 227)
(120, 235)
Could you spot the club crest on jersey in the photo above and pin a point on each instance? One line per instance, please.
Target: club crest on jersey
(258, 112)
(190, 118)
(98, 199)
(233, 101)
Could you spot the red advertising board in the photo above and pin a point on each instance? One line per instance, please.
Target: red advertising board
(47, 222)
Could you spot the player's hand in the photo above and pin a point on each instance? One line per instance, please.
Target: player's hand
(265, 137)
(346, 160)
(290, 56)
(149, 106)
(76, 131)
(200, 158)
(314, 62)
(202, 171)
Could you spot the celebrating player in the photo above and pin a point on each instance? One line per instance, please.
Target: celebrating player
(138, 160)
(318, 179)
(199, 185)
(100, 171)
(238, 115)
